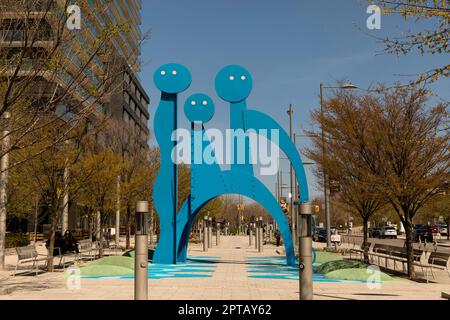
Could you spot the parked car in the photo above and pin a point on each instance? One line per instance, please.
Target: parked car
(443, 229)
(433, 229)
(374, 232)
(422, 233)
(388, 232)
(320, 235)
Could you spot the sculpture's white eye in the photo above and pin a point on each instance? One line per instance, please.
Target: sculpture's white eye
(243, 78)
(163, 73)
(193, 102)
(205, 103)
(174, 72)
(231, 78)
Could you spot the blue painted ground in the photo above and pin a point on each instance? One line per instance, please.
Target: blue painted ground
(195, 267)
(276, 268)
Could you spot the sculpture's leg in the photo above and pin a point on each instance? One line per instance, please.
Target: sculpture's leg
(163, 195)
(260, 121)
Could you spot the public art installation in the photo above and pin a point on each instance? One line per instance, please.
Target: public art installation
(208, 181)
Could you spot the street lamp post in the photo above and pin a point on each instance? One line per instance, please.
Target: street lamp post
(326, 188)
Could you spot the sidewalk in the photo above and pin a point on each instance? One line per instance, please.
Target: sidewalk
(229, 281)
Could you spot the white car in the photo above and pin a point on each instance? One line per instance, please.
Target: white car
(388, 232)
(443, 230)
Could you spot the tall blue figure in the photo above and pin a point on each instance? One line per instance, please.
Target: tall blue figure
(170, 79)
(208, 181)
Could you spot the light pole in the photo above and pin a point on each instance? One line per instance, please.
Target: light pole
(141, 252)
(326, 187)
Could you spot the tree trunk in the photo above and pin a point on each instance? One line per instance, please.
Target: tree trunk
(100, 232)
(53, 224)
(409, 247)
(365, 236)
(91, 226)
(128, 222)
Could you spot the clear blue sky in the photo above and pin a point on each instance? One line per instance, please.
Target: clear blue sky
(289, 46)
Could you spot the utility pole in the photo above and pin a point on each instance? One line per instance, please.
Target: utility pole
(4, 165)
(296, 197)
(325, 175)
(290, 112)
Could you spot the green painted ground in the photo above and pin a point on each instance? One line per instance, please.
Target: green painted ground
(109, 267)
(333, 266)
(361, 274)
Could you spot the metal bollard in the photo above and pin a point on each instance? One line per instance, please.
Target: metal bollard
(217, 234)
(141, 253)
(250, 236)
(256, 234)
(210, 243)
(205, 234)
(305, 252)
(261, 235)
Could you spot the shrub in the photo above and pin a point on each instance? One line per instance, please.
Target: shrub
(14, 240)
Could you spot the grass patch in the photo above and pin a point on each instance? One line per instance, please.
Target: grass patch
(358, 275)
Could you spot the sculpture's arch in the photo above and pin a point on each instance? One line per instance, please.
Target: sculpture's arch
(241, 184)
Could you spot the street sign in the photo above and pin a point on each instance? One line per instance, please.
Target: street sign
(335, 238)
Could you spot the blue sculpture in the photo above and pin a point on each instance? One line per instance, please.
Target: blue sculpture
(208, 180)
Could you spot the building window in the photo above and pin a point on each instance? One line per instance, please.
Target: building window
(126, 116)
(133, 87)
(127, 78)
(126, 96)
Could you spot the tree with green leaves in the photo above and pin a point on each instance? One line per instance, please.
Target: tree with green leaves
(347, 125)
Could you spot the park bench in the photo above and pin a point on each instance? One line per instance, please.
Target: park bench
(421, 258)
(29, 254)
(87, 249)
(439, 260)
(359, 249)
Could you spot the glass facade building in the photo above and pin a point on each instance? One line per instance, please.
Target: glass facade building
(113, 23)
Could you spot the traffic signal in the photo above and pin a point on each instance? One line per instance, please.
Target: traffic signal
(316, 208)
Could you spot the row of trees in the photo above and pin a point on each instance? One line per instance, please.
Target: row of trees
(387, 148)
(101, 171)
(53, 80)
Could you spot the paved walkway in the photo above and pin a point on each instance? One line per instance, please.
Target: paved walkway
(229, 281)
